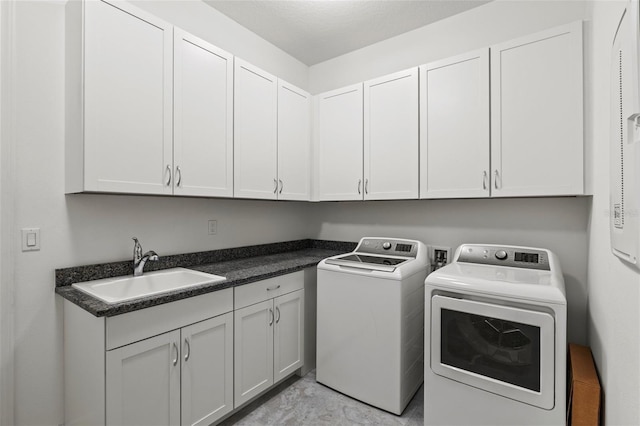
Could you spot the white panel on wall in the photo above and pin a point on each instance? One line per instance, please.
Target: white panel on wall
(625, 137)
(614, 286)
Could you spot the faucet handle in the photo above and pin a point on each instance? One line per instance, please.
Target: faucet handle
(137, 249)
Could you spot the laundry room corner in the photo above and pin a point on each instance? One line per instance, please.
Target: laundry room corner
(614, 286)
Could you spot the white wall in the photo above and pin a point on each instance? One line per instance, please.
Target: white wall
(614, 288)
(207, 23)
(6, 291)
(84, 229)
(482, 26)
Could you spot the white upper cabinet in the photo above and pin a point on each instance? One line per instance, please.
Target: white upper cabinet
(119, 103)
(454, 127)
(203, 118)
(537, 114)
(391, 136)
(294, 142)
(151, 109)
(339, 147)
(256, 132)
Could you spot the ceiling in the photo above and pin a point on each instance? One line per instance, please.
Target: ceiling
(316, 30)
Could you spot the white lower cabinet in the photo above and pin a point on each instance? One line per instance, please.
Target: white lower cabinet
(269, 334)
(180, 377)
(207, 370)
(178, 363)
(143, 382)
(253, 351)
(170, 364)
(288, 334)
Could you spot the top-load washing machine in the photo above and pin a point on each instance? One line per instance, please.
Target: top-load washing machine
(495, 338)
(370, 318)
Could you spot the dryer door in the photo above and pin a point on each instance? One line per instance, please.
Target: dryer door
(500, 349)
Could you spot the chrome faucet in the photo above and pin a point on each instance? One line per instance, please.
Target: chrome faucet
(140, 259)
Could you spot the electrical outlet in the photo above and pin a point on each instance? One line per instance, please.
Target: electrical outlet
(440, 256)
(213, 227)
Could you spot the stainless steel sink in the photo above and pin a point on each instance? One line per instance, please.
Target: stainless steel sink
(122, 289)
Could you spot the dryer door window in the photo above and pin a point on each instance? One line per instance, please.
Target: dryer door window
(504, 350)
(491, 347)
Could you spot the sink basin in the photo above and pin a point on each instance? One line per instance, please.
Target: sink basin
(122, 289)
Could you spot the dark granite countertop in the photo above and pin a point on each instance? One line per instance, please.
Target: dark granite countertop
(239, 266)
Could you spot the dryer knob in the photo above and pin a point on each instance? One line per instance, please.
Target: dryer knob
(501, 255)
(386, 245)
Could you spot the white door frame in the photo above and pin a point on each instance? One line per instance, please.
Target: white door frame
(7, 73)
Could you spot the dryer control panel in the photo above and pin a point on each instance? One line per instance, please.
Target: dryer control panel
(515, 257)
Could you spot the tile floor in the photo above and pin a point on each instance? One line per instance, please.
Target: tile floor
(301, 401)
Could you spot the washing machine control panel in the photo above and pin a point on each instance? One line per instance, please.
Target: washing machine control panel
(517, 257)
(394, 247)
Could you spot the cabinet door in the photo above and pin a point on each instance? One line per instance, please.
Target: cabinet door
(127, 100)
(391, 136)
(255, 130)
(454, 127)
(536, 114)
(288, 334)
(339, 144)
(207, 370)
(294, 138)
(143, 382)
(203, 118)
(253, 355)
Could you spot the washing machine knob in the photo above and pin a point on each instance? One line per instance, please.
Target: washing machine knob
(386, 245)
(501, 255)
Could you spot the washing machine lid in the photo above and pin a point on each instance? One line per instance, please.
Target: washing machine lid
(383, 257)
(368, 262)
(500, 281)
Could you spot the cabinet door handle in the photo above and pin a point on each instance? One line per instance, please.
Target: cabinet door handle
(281, 186)
(175, 348)
(366, 186)
(359, 185)
(485, 176)
(496, 176)
(178, 176)
(188, 348)
(273, 288)
(271, 313)
(278, 312)
(169, 172)
(275, 186)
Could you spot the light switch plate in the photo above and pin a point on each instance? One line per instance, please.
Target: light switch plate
(30, 239)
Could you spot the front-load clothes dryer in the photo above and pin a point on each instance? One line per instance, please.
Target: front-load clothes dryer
(370, 318)
(495, 338)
